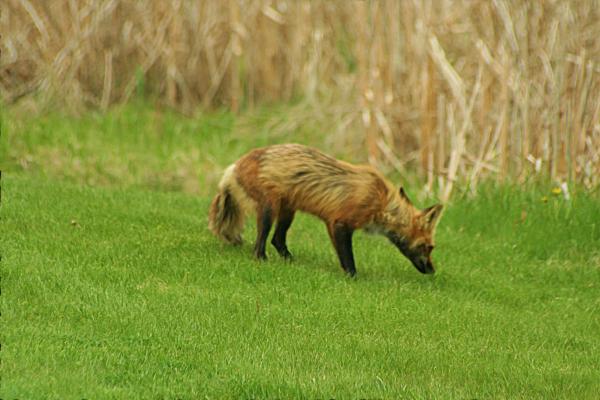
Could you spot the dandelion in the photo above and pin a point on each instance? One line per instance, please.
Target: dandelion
(562, 189)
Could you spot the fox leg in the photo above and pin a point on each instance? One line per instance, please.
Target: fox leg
(284, 220)
(264, 220)
(341, 236)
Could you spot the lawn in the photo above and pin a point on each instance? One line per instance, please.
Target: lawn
(116, 290)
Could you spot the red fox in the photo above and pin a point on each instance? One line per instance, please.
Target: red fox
(276, 181)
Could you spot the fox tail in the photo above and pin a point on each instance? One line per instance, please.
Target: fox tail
(228, 209)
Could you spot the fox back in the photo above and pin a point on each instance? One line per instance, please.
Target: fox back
(305, 179)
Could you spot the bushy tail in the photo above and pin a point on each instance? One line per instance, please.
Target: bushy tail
(226, 216)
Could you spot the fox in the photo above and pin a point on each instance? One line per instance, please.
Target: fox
(276, 181)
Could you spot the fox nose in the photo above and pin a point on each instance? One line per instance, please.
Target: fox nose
(427, 267)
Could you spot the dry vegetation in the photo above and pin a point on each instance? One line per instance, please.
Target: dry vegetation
(459, 90)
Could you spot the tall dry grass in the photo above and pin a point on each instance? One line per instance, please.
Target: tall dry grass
(458, 90)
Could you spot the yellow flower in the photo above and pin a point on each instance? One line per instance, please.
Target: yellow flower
(556, 191)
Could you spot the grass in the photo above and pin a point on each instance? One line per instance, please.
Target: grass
(139, 145)
(119, 290)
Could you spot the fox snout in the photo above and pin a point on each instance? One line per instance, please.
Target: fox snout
(423, 265)
(420, 256)
(421, 262)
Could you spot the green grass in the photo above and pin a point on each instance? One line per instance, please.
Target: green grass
(112, 293)
(112, 286)
(137, 145)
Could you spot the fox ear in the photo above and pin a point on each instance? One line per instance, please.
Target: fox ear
(432, 215)
(403, 195)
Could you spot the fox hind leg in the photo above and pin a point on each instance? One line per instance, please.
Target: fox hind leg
(264, 221)
(284, 221)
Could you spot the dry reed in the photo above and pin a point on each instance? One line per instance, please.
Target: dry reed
(461, 90)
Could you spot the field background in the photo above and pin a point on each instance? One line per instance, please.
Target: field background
(117, 118)
(113, 287)
(123, 293)
(454, 90)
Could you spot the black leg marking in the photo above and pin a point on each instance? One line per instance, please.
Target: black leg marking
(341, 236)
(264, 221)
(284, 221)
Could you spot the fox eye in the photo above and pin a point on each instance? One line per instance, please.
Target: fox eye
(426, 248)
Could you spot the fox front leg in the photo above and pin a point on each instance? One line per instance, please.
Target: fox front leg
(341, 236)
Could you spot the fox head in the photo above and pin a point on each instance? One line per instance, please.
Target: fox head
(412, 230)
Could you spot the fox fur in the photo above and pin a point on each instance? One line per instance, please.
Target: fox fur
(276, 181)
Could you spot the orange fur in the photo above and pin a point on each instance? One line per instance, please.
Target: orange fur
(305, 179)
(292, 177)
